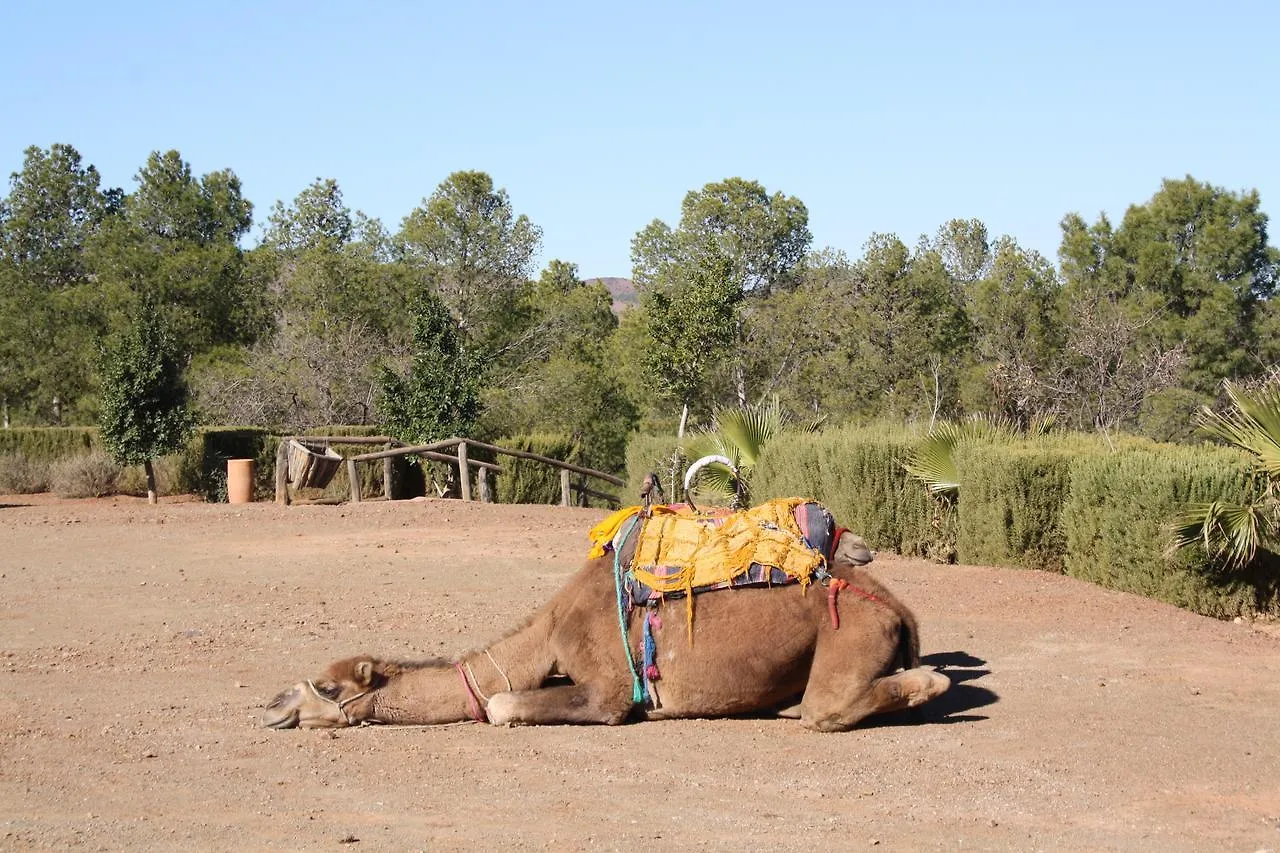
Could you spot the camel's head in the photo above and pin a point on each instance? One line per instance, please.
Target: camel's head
(329, 700)
(851, 550)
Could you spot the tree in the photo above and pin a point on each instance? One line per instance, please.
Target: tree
(1018, 333)
(691, 324)
(52, 311)
(573, 386)
(54, 206)
(475, 254)
(145, 412)
(317, 219)
(177, 246)
(905, 337)
(438, 398)
(1193, 261)
(732, 229)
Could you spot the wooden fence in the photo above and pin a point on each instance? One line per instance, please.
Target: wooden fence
(461, 457)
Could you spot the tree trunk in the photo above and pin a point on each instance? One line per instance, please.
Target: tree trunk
(151, 481)
(684, 419)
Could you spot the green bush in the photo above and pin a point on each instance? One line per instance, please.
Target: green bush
(1116, 524)
(526, 481)
(660, 454)
(1010, 505)
(858, 473)
(48, 443)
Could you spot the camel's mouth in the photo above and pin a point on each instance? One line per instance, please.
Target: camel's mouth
(282, 712)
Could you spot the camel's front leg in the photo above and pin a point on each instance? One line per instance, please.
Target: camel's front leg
(833, 712)
(569, 704)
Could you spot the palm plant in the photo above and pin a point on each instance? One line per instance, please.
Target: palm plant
(934, 460)
(740, 435)
(1234, 533)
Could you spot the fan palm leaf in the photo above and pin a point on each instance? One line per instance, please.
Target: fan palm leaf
(1232, 533)
(1252, 424)
(934, 460)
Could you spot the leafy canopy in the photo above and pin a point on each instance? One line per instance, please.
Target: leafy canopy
(145, 411)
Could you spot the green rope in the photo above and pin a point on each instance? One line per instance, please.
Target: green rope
(637, 688)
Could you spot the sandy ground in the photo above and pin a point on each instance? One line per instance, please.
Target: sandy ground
(138, 645)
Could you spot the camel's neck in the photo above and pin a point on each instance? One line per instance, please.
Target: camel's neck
(447, 693)
(431, 694)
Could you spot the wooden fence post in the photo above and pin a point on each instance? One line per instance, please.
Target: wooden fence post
(282, 471)
(387, 467)
(464, 472)
(564, 487)
(353, 476)
(482, 477)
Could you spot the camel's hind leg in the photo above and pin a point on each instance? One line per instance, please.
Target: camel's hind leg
(850, 679)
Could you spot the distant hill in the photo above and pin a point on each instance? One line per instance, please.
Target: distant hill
(623, 291)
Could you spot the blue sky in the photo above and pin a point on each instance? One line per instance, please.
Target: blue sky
(597, 118)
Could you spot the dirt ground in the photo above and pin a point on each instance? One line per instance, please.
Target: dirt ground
(138, 645)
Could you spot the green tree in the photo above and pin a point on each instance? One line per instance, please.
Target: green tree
(52, 310)
(54, 206)
(1202, 252)
(177, 245)
(145, 411)
(1187, 271)
(905, 335)
(574, 386)
(438, 398)
(475, 253)
(733, 229)
(1018, 334)
(691, 324)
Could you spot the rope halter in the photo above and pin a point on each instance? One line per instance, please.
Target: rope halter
(341, 706)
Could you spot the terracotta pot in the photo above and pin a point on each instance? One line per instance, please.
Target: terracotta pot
(239, 481)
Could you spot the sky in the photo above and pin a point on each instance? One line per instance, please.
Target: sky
(598, 118)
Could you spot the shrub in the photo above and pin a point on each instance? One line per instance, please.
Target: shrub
(91, 475)
(48, 443)
(526, 481)
(859, 474)
(1009, 511)
(20, 475)
(1116, 522)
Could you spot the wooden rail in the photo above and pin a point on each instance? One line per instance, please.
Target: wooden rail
(461, 457)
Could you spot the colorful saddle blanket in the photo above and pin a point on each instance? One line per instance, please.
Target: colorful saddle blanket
(677, 551)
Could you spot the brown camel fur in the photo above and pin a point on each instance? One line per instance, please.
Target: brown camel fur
(753, 650)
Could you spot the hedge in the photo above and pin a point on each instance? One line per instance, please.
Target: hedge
(48, 443)
(1116, 522)
(525, 481)
(1010, 506)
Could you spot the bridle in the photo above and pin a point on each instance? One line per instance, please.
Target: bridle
(341, 706)
(476, 699)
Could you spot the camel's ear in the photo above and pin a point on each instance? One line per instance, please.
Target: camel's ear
(364, 673)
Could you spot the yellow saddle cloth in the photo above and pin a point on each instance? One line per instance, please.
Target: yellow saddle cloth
(682, 551)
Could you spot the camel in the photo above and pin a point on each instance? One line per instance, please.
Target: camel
(829, 656)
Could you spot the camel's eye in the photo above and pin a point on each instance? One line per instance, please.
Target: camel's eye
(328, 689)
